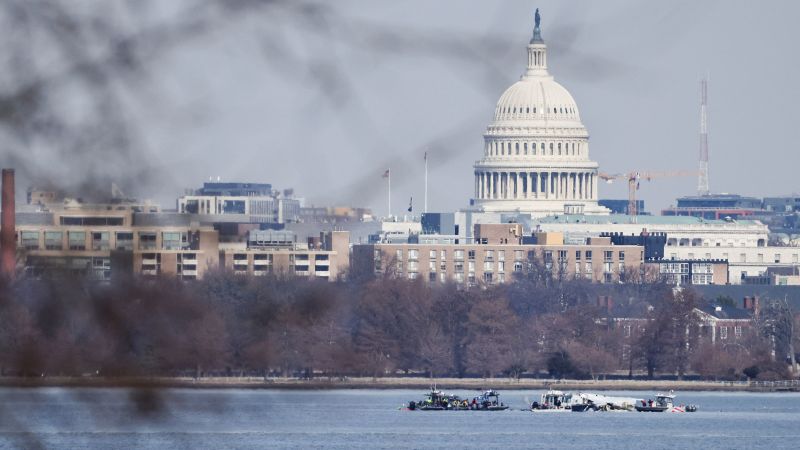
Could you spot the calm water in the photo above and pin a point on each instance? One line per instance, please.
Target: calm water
(212, 419)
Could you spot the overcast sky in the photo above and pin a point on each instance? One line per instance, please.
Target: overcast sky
(326, 105)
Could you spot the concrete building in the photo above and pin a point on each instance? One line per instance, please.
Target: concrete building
(277, 252)
(86, 241)
(681, 272)
(715, 206)
(241, 202)
(620, 206)
(101, 241)
(536, 150)
(499, 258)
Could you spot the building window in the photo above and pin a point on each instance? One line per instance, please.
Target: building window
(100, 240)
(30, 240)
(489, 255)
(432, 255)
(621, 256)
(487, 277)
(471, 254)
(608, 256)
(125, 241)
(458, 255)
(737, 331)
(777, 257)
(471, 266)
(501, 255)
(147, 240)
(432, 277)
(588, 255)
(627, 329)
(723, 332)
(517, 266)
(488, 266)
(173, 240)
(77, 240)
(413, 254)
(519, 255)
(501, 266)
(578, 255)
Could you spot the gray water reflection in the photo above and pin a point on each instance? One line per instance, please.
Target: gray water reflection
(238, 418)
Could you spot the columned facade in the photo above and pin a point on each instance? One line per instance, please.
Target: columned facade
(536, 150)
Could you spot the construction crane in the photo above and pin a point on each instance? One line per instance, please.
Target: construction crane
(634, 178)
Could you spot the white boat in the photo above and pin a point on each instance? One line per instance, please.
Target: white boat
(663, 403)
(554, 401)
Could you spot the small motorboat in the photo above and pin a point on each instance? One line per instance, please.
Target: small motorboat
(664, 403)
(436, 400)
(488, 401)
(553, 401)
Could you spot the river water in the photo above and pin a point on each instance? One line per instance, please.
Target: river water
(240, 418)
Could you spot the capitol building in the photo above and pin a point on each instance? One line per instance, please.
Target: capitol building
(536, 150)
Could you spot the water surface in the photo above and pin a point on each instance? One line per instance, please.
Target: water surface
(241, 418)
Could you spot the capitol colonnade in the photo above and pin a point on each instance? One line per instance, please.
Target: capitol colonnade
(521, 185)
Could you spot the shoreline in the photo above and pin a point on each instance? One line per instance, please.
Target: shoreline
(400, 383)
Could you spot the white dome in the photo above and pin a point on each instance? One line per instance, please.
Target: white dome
(536, 150)
(536, 98)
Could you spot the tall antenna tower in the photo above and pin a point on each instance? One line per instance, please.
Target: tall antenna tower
(702, 179)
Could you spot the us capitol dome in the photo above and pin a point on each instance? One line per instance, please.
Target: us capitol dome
(536, 150)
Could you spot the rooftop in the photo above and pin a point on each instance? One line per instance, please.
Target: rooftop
(639, 220)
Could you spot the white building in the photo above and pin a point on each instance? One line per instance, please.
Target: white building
(743, 243)
(255, 209)
(536, 150)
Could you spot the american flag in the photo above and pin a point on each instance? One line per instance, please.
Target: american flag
(385, 174)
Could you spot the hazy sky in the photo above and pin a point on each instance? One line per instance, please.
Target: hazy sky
(326, 104)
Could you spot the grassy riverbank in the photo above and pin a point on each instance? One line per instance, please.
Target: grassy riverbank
(400, 383)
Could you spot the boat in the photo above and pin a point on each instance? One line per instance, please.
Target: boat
(488, 401)
(553, 401)
(436, 400)
(664, 403)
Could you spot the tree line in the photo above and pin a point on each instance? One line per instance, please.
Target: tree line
(226, 324)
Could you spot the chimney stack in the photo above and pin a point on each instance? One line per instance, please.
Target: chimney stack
(8, 241)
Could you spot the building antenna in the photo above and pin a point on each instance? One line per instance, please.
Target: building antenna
(702, 180)
(425, 207)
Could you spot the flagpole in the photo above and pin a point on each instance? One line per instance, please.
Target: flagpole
(425, 209)
(389, 179)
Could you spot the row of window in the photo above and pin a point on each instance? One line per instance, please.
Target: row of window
(489, 255)
(535, 110)
(698, 242)
(515, 149)
(99, 240)
(776, 258)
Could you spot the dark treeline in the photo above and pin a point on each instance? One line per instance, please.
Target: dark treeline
(284, 326)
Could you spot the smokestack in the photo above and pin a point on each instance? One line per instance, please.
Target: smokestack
(8, 244)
